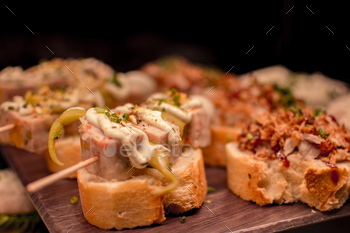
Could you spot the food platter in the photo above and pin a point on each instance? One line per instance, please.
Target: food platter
(225, 213)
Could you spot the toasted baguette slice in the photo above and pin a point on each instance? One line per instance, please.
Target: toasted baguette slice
(215, 154)
(68, 151)
(192, 189)
(123, 204)
(266, 182)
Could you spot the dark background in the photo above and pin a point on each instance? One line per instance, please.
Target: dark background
(127, 35)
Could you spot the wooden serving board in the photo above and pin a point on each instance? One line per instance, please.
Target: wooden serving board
(225, 213)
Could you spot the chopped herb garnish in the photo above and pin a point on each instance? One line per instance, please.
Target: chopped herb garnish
(183, 219)
(176, 98)
(155, 109)
(99, 110)
(250, 136)
(287, 97)
(114, 117)
(173, 91)
(115, 80)
(25, 105)
(170, 165)
(322, 133)
(318, 112)
(306, 125)
(74, 200)
(211, 189)
(125, 117)
(161, 101)
(229, 139)
(297, 110)
(58, 135)
(298, 118)
(249, 176)
(194, 185)
(163, 110)
(10, 108)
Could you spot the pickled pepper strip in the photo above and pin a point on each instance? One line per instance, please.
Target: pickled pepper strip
(69, 116)
(160, 163)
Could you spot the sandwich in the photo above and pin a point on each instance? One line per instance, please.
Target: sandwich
(236, 101)
(291, 156)
(139, 149)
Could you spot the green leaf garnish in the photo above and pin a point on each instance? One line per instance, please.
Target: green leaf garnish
(287, 97)
(318, 112)
(322, 133)
(125, 117)
(10, 108)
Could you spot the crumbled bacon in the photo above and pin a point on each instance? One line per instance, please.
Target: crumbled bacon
(286, 131)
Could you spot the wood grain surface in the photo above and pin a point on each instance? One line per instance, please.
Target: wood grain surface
(225, 213)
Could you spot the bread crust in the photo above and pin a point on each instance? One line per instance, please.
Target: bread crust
(215, 154)
(269, 181)
(124, 204)
(192, 189)
(68, 151)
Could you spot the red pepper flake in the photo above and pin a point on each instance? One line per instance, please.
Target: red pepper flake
(88, 127)
(102, 145)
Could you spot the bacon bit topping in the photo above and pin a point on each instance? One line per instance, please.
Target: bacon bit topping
(280, 133)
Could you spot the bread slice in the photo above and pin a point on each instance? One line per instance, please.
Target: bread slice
(192, 189)
(123, 204)
(68, 151)
(115, 204)
(215, 154)
(270, 181)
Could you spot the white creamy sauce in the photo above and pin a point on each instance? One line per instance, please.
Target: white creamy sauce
(119, 93)
(17, 104)
(183, 112)
(155, 119)
(140, 156)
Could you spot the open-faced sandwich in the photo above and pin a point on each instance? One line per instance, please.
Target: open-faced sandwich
(236, 102)
(316, 89)
(33, 114)
(138, 149)
(289, 156)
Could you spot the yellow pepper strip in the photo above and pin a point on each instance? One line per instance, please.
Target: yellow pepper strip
(161, 164)
(67, 117)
